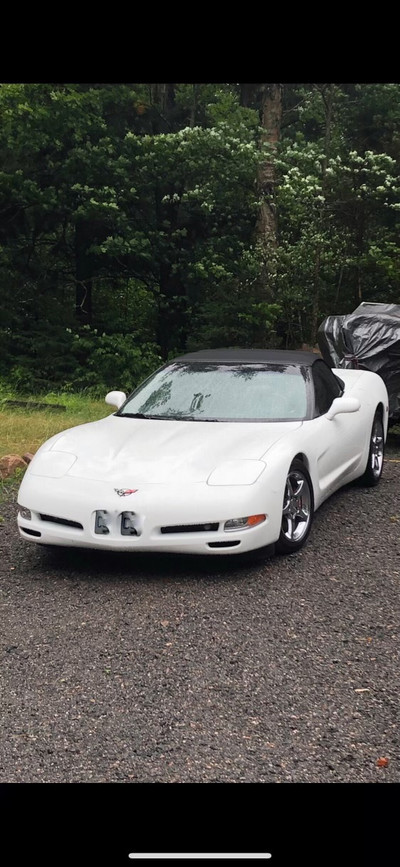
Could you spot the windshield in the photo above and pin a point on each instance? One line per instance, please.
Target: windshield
(222, 392)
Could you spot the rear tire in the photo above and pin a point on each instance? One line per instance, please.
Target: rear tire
(373, 472)
(297, 510)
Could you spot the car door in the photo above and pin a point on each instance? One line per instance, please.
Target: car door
(338, 442)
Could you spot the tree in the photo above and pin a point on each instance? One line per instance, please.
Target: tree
(139, 220)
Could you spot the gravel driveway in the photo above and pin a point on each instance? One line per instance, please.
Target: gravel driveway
(156, 668)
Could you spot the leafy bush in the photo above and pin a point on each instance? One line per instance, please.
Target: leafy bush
(78, 360)
(105, 361)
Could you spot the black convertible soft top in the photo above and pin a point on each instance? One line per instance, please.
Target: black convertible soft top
(250, 356)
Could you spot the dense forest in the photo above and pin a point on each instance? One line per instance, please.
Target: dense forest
(142, 220)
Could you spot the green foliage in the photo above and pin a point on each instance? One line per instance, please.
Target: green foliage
(81, 360)
(337, 205)
(128, 214)
(105, 362)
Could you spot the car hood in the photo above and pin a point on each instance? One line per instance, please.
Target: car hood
(130, 451)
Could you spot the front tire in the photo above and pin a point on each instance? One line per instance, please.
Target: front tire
(297, 511)
(374, 468)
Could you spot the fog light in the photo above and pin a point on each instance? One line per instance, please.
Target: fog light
(25, 513)
(244, 523)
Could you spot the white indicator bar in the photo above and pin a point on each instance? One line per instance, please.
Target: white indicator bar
(241, 855)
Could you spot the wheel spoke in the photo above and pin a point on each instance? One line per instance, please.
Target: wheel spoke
(296, 512)
(289, 487)
(377, 450)
(297, 509)
(303, 514)
(289, 527)
(300, 486)
(374, 467)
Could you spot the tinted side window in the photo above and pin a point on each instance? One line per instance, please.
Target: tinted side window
(326, 387)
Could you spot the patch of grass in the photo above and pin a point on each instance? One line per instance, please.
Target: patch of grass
(23, 429)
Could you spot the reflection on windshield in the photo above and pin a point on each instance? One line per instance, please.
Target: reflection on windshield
(222, 392)
(158, 398)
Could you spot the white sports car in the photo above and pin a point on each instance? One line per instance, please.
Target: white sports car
(219, 452)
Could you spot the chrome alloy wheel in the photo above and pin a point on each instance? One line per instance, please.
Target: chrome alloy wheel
(376, 448)
(297, 507)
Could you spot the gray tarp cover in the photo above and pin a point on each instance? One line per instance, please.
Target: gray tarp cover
(368, 338)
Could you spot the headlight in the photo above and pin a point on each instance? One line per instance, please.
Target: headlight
(244, 523)
(51, 464)
(240, 472)
(25, 513)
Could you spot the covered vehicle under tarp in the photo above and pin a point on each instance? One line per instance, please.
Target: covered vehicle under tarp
(368, 338)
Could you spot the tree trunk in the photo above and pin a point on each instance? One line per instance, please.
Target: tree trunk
(162, 97)
(247, 94)
(83, 275)
(268, 98)
(171, 320)
(316, 296)
(83, 305)
(271, 115)
(327, 94)
(193, 110)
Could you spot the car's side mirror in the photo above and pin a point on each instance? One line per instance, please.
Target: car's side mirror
(343, 404)
(115, 398)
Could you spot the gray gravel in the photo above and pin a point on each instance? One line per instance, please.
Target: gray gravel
(155, 668)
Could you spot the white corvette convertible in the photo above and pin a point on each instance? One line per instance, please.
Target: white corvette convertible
(219, 452)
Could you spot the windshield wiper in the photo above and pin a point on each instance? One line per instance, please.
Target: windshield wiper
(145, 415)
(137, 415)
(163, 417)
(192, 418)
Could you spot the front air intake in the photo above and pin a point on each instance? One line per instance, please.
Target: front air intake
(64, 521)
(190, 528)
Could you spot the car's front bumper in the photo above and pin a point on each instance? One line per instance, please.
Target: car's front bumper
(155, 507)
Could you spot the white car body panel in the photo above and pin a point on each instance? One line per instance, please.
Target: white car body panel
(191, 472)
(131, 452)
